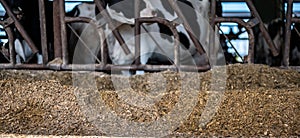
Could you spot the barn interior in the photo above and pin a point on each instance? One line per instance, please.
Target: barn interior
(251, 91)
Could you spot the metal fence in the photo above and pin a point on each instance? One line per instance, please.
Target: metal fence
(60, 38)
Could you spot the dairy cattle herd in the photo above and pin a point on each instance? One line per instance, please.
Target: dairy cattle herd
(156, 39)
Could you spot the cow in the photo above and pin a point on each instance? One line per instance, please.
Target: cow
(262, 52)
(90, 38)
(159, 40)
(28, 14)
(78, 38)
(196, 13)
(156, 39)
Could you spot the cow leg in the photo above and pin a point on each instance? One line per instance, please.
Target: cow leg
(19, 51)
(144, 60)
(39, 58)
(18, 59)
(147, 48)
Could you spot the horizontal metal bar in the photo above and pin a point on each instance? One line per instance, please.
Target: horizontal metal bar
(23, 66)
(296, 20)
(78, 19)
(99, 67)
(296, 68)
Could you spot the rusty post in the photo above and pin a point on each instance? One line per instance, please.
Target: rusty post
(43, 31)
(262, 28)
(212, 38)
(286, 52)
(115, 32)
(213, 12)
(19, 27)
(12, 51)
(63, 31)
(251, 45)
(296, 20)
(23, 66)
(137, 33)
(78, 19)
(98, 67)
(196, 42)
(56, 27)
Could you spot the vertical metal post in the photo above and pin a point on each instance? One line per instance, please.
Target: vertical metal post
(251, 45)
(286, 51)
(65, 56)
(211, 48)
(43, 31)
(56, 27)
(137, 33)
(11, 39)
(176, 49)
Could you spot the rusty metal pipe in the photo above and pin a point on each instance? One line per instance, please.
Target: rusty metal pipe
(137, 33)
(115, 32)
(57, 28)
(213, 6)
(11, 39)
(7, 22)
(65, 55)
(286, 52)
(98, 67)
(295, 20)
(262, 28)
(23, 66)
(212, 37)
(19, 27)
(43, 31)
(78, 19)
(196, 42)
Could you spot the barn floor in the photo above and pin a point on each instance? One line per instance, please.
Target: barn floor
(258, 101)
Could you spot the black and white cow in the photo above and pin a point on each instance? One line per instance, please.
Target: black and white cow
(125, 20)
(196, 13)
(83, 41)
(155, 38)
(28, 12)
(263, 54)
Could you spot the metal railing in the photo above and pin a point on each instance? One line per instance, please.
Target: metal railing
(60, 38)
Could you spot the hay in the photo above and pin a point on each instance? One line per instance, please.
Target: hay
(258, 101)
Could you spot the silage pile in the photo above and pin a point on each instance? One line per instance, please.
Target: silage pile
(258, 101)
